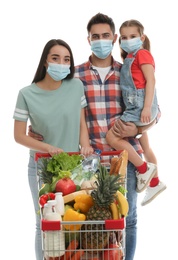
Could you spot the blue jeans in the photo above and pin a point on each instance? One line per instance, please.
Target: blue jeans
(131, 219)
(33, 182)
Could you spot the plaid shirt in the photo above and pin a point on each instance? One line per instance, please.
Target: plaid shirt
(105, 101)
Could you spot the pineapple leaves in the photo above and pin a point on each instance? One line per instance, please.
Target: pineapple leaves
(106, 187)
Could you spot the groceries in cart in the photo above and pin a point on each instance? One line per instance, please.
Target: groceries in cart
(92, 222)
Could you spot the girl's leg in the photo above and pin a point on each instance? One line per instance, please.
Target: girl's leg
(147, 151)
(120, 144)
(145, 171)
(156, 186)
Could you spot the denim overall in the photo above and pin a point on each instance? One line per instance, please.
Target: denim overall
(133, 98)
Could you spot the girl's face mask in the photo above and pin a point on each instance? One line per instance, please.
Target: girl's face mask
(131, 45)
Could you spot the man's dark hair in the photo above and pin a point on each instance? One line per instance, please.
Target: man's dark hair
(101, 18)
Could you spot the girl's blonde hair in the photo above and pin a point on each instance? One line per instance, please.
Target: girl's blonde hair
(140, 28)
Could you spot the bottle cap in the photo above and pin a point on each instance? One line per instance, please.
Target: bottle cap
(52, 202)
(98, 151)
(60, 193)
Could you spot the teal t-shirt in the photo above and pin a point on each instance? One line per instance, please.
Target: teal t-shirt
(54, 114)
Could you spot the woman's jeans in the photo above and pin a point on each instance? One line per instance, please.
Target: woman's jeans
(131, 219)
(33, 182)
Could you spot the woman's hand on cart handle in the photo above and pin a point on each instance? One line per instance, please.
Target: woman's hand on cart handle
(86, 151)
(52, 150)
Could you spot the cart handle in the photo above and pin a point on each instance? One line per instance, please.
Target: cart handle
(104, 153)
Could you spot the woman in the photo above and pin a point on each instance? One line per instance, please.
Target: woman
(54, 103)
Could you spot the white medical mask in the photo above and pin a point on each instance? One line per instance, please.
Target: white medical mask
(101, 48)
(58, 71)
(131, 45)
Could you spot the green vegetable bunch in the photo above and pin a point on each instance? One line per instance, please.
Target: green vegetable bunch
(57, 167)
(63, 162)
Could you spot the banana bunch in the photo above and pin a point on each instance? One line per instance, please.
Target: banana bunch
(120, 207)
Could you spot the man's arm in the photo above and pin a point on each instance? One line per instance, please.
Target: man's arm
(129, 129)
(33, 135)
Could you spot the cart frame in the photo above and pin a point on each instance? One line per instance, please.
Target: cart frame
(115, 229)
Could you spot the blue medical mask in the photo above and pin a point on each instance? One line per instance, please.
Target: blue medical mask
(58, 71)
(101, 48)
(131, 45)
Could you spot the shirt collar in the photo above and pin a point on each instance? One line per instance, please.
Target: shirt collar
(90, 65)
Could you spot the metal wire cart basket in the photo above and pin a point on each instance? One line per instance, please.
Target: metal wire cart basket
(85, 239)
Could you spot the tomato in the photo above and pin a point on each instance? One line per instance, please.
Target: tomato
(66, 186)
(113, 252)
(51, 195)
(45, 197)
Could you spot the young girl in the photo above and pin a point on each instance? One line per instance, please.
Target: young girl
(137, 81)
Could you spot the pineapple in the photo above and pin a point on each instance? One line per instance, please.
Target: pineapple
(104, 194)
(44, 175)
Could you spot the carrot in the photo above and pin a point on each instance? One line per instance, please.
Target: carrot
(70, 249)
(77, 255)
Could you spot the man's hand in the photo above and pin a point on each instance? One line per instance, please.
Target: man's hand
(33, 135)
(123, 130)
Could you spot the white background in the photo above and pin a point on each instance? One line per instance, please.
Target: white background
(25, 27)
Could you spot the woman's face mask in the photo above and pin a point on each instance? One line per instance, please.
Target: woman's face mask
(58, 71)
(102, 48)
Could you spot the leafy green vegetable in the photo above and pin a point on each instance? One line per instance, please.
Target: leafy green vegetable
(64, 162)
(57, 167)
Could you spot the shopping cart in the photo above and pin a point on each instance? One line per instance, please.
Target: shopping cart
(88, 240)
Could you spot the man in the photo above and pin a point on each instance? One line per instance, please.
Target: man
(100, 76)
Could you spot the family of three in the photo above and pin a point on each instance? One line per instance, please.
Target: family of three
(100, 104)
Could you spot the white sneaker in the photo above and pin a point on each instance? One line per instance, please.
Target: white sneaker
(143, 179)
(153, 192)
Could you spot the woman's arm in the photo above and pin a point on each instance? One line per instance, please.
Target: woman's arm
(26, 140)
(86, 149)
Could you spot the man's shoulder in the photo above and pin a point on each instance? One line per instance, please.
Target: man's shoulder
(82, 65)
(116, 63)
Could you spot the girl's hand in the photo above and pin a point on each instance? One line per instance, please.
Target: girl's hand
(86, 151)
(146, 115)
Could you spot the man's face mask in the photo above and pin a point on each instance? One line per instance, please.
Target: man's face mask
(101, 48)
(58, 71)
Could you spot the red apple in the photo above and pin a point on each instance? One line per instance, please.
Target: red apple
(66, 186)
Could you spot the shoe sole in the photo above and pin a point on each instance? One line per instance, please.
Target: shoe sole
(148, 181)
(152, 198)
